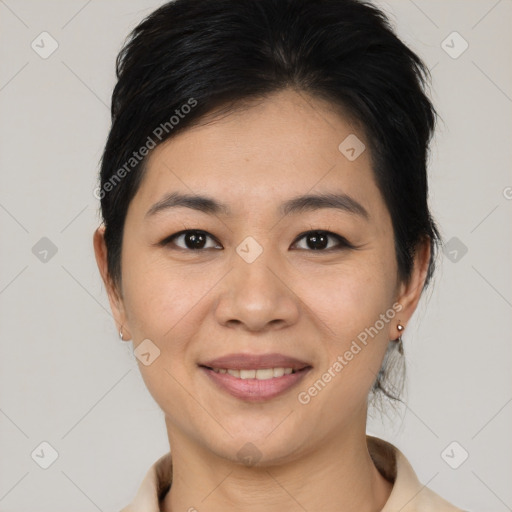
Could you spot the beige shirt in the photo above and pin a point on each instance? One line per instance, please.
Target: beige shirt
(408, 494)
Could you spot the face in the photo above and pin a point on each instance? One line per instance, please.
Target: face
(259, 282)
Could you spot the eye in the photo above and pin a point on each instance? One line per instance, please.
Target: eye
(193, 239)
(319, 240)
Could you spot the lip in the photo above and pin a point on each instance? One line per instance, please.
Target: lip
(254, 390)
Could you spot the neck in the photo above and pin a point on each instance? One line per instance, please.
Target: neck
(338, 475)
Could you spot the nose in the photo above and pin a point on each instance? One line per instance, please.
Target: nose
(257, 296)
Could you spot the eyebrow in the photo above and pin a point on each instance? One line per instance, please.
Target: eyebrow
(309, 202)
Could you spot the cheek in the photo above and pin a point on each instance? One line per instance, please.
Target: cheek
(356, 303)
(353, 296)
(160, 307)
(157, 298)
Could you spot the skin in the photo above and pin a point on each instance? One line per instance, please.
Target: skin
(292, 299)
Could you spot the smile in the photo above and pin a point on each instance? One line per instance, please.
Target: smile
(254, 377)
(259, 374)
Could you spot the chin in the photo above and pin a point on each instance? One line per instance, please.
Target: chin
(261, 442)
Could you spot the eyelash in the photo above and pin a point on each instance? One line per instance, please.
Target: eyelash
(343, 243)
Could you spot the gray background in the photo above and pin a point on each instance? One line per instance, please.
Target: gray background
(65, 378)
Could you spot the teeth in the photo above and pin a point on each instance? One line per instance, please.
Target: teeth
(260, 374)
(247, 374)
(265, 374)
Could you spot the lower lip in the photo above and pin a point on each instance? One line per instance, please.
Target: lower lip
(255, 390)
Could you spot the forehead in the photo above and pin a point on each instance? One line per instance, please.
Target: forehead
(286, 145)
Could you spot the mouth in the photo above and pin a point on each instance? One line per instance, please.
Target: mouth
(255, 377)
(259, 374)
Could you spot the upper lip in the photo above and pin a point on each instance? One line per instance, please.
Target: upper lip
(255, 362)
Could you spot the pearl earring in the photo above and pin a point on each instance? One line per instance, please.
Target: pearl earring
(399, 341)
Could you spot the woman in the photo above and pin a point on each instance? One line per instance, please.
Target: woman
(266, 240)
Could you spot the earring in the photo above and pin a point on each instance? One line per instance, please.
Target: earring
(121, 334)
(399, 341)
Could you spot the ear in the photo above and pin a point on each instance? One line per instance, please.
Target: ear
(114, 295)
(410, 292)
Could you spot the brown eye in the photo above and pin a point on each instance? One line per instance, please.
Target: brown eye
(193, 240)
(319, 241)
